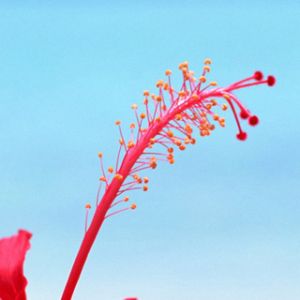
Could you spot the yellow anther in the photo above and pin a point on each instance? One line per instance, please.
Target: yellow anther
(133, 206)
(132, 126)
(216, 117)
(145, 188)
(118, 122)
(110, 169)
(130, 144)
(207, 61)
(102, 178)
(119, 176)
(159, 83)
(158, 99)
(146, 93)
(100, 154)
(134, 106)
(213, 83)
(168, 72)
(142, 116)
(146, 179)
(202, 79)
(88, 206)
(126, 198)
(206, 68)
(170, 133)
(224, 106)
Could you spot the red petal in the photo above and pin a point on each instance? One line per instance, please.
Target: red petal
(12, 256)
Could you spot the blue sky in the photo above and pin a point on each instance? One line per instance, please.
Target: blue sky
(223, 222)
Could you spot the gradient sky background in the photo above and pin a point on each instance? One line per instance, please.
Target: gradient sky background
(223, 222)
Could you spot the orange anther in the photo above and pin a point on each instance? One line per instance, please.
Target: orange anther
(213, 83)
(212, 127)
(133, 206)
(202, 79)
(132, 126)
(146, 101)
(121, 141)
(182, 147)
(214, 102)
(188, 128)
(170, 133)
(224, 106)
(142, 116)
(177, 142)
(118, 122)
(134, 106)
(195, 97)
(216, 117)
(110, 169)
(102, 178)
(170, 156)
(206, 68)
(100, 154)
(171, 161)
(158, 98)
(178, 117)
(146, 179)
(145, 188)
(119, 176)
(208, 106)
(207, 61)
(126, 198)
(159, 83)
(88, 206)
(166, 86)
(227, 97)
(146, 93)
(170, 150)
(181, 93)
(168, 72)
(152, 141)
(130, 144)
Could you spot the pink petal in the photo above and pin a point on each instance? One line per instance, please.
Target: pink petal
(12, 256)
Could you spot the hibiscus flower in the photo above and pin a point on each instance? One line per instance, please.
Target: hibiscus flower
(12, 255)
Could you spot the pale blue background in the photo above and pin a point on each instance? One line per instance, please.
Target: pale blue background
(223, 223)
